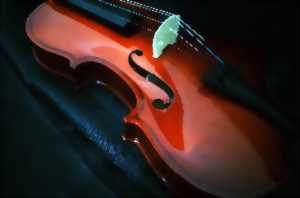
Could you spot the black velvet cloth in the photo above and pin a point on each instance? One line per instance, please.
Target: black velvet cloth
(58, 142)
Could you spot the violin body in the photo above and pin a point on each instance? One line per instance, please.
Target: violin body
(201, 143)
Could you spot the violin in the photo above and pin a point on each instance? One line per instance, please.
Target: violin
(197, 141)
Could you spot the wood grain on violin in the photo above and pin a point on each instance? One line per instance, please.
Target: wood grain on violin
(213, 145)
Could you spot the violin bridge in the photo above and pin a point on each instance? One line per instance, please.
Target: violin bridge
(166, 35)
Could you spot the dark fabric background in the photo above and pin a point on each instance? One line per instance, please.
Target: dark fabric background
(56, 142)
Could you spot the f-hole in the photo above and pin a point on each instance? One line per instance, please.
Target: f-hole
(157, 103)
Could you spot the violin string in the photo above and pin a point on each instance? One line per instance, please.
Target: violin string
(146, 7)
(149, 18)
(192, 32)
(188, 43)
(187, 27)
(129, 11)
(156, 10)
(199, 38)
(152, 9)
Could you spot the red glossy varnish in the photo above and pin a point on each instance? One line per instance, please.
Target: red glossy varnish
(202, 144)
